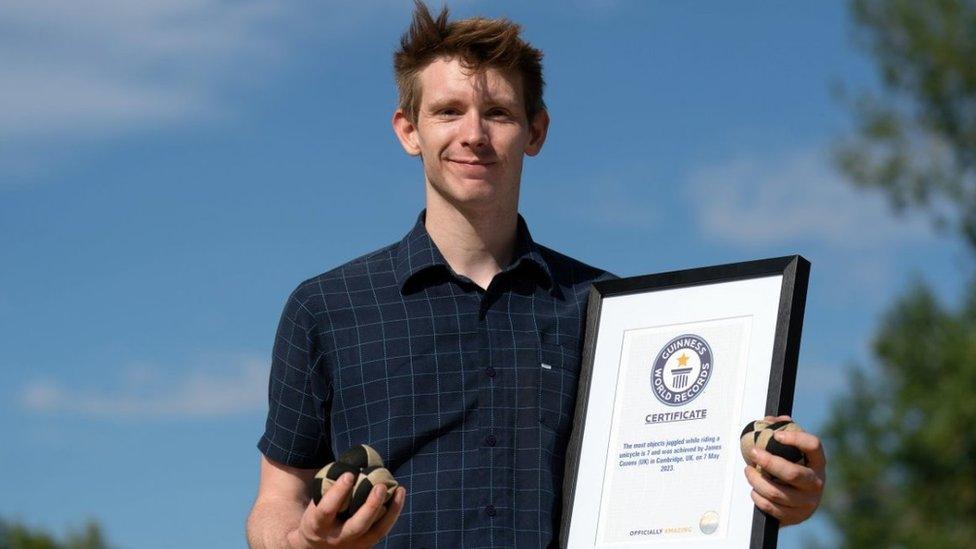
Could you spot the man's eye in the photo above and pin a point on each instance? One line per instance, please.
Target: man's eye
(448, 112)
(497, 112)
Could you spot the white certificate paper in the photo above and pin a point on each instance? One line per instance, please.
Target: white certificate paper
(674, 366)
(673, 451)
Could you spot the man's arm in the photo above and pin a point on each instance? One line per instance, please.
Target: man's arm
(282, 499)
(284, 517)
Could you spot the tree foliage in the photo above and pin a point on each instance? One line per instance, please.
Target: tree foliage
(902, 440)
(14, 535)
(915, 140)
(903, 443)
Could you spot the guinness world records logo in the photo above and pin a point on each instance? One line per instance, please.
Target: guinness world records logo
(681, 370)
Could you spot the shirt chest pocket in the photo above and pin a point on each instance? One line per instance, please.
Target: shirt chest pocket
(558, 376)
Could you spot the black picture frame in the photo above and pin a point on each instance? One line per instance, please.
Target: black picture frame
(795, 272)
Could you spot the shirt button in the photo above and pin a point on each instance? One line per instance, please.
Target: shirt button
(490, 440)
(490, 510)
(490, 371)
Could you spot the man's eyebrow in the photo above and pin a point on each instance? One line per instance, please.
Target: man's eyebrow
(440, 103)
(507, 102)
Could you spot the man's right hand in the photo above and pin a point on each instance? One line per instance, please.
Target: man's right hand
(320, 526)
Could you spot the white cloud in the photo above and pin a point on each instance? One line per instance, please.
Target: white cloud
(763, 198)
(235, 386)
(100, 66)
(74, 74)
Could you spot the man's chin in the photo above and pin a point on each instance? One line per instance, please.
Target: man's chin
(465, 193)
(473, 201)
(472, 188)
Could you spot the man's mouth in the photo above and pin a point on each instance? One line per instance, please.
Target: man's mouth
(471, 162)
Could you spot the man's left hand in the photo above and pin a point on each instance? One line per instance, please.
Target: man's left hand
(785, 490)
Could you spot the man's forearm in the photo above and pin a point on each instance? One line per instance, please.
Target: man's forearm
(270, 522)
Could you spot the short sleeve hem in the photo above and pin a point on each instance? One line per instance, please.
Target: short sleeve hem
(291, 459)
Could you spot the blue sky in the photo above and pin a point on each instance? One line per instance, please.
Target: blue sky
(170, 170)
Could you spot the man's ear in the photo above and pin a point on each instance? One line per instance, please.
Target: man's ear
(406, 132)
(538, 128)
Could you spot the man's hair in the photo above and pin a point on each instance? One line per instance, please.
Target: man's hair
(478, 43)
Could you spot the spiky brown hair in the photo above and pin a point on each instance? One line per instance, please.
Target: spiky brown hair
(478, 42)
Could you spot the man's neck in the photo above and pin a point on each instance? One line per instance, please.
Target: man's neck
(477, 245)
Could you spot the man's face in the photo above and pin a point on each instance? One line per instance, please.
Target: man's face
(471, 133)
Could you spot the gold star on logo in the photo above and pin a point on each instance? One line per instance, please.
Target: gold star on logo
(683, 360)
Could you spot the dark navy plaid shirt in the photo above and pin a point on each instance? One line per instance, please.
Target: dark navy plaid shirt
(467, 394)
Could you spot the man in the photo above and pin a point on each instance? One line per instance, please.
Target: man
(430, 349)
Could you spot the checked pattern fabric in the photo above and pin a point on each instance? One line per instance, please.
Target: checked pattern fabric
(468, 394)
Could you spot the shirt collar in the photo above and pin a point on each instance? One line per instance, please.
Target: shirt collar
(417, 254)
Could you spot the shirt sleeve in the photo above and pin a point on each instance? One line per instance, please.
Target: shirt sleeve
(297, 431)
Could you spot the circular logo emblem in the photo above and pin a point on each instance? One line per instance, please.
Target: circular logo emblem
(681, 370)
(709, 522)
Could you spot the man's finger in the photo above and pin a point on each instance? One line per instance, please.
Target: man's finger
(774, 419)
(385, 524)
(318, 521)
(785, 515)
(780, 494)
(359, 523)
(809, 444)
(381, 509)
(767, 506)
(335, 497)
(791, 473)
(311, 528)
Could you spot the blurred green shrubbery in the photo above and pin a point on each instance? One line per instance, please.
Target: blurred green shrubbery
(14, 535)
(901, 442)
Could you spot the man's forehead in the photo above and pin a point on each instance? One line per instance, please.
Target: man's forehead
(447, 79)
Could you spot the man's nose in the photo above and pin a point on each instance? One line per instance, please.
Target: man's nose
(472, 131)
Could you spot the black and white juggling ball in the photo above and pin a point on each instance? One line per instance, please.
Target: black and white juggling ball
(759, 434)
(365, 463)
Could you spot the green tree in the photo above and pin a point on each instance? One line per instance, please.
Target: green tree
(901, 441)
(902, 444)
(14, 535)
(915, 140)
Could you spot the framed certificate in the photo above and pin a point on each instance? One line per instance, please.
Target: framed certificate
(674, 365)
